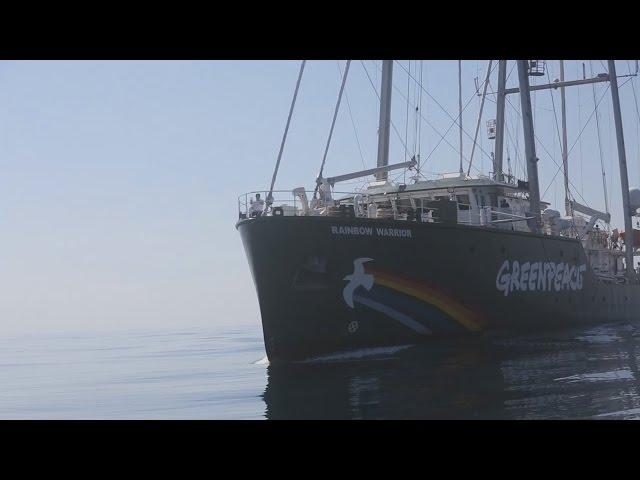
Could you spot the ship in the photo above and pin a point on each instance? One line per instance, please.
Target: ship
(456, 256)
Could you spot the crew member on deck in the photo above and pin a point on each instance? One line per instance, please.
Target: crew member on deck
(615, 235)
(257, 206)
(325, 192)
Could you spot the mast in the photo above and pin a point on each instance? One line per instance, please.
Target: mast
(565, 152)
(484, 95)
(499, 147)
(597, 115)
(333, 124)
(529, 145)
(385, 118)
(284, 137)
(624, 179)
(460, 110)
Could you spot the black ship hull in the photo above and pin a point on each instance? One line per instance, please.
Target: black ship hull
(328, 284)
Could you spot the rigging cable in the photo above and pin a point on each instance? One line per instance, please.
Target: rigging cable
(284, 137)
(508, 118)
(414, 106)
(484, 94)
(423, 118)
(416, 119)
(406, 124)
(635, 99)
(378, 95)
(520, 160)
(555, 114)
(572, 146)
(579, 123)
(420, 111)
(442, 137)
(455, 120)
(560, 142)
(604, 177)
(353, 123)
(549, 154)
(406, 121)
(508, 159)
(333, 123)
(460, 111)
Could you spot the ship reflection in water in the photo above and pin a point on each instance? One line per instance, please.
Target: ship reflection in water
(586, 373)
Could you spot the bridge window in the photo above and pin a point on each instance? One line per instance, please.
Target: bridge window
(463, 202)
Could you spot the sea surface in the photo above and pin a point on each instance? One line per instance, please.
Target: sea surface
(586, 373)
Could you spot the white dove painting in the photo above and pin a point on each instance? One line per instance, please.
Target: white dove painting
(357, 279)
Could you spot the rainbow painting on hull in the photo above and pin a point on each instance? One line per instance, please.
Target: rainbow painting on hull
(419, 306)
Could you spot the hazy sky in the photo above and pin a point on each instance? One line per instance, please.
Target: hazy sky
(119, 180)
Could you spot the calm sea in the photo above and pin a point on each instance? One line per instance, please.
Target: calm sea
(223, 374)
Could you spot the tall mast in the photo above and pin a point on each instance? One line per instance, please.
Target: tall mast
(565, 152)
(284, 137)
(384, 129)
(499, 147)
(624, 179)
(484, 96)
(460, 110)
(529, 145)
(597, 115)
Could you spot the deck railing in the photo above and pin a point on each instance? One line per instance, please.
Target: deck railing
(354, 204)
(362, 205)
